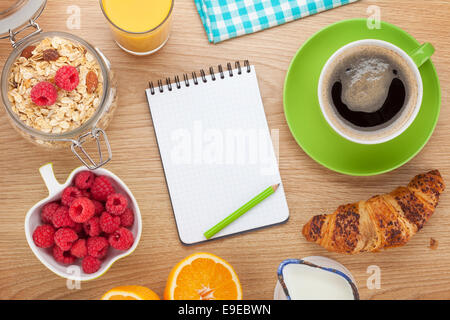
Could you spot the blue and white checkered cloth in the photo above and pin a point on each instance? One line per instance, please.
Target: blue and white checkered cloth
(226, 19)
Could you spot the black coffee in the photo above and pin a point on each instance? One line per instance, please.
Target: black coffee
(369, 92)
(368, 89)
(391, 106)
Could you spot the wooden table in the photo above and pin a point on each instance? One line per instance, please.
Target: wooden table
(411, 272)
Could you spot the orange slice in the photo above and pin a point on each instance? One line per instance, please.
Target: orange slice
(130, 293)
(203, 276)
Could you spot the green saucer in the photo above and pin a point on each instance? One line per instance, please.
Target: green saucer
(313, 133)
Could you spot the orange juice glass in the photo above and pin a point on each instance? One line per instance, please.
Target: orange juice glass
(139, 27)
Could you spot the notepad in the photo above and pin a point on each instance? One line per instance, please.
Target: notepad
(216, 150)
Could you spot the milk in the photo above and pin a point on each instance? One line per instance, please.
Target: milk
(308, 283)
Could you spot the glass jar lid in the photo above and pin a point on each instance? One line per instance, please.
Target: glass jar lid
(15, 14)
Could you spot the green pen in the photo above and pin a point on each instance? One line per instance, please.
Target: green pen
(239, 212)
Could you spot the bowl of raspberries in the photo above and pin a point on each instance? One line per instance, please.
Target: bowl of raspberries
(90, 221)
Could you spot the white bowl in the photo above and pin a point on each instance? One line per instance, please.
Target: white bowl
(33, 219)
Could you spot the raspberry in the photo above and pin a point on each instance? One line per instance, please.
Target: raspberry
(65, 237)
(43, 236)
(127, 218)
(61, 218)
(92, 227)
(86, 194)
(78, 228)
(99, 207)
(84, 180)
(116, 204)
(97, 247)
(81, 210)
(101, 188)
(109, 223)
(121, 239)
(91, 264)
(67, 78)
(79, 248)
(44, 94)
(48, 211)
(63, 256)
(69, 195)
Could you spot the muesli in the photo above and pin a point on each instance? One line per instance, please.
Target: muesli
(55, 86)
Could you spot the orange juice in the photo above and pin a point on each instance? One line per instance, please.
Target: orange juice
(139, 26)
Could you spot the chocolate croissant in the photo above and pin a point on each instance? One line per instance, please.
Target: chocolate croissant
(382, 222)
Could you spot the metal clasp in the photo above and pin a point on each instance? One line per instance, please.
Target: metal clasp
(13, 34)
(77, 148)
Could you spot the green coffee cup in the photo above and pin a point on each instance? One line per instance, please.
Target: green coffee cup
(412, 62)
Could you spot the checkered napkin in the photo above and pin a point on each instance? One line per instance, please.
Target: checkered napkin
(226, 19)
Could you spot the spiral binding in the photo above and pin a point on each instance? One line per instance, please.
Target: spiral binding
(177, 83)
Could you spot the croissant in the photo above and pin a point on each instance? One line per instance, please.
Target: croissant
(382, 222)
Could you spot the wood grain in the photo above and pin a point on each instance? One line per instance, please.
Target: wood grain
(411, 272)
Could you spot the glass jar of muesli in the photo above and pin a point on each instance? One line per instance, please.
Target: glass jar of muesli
(58, 90)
